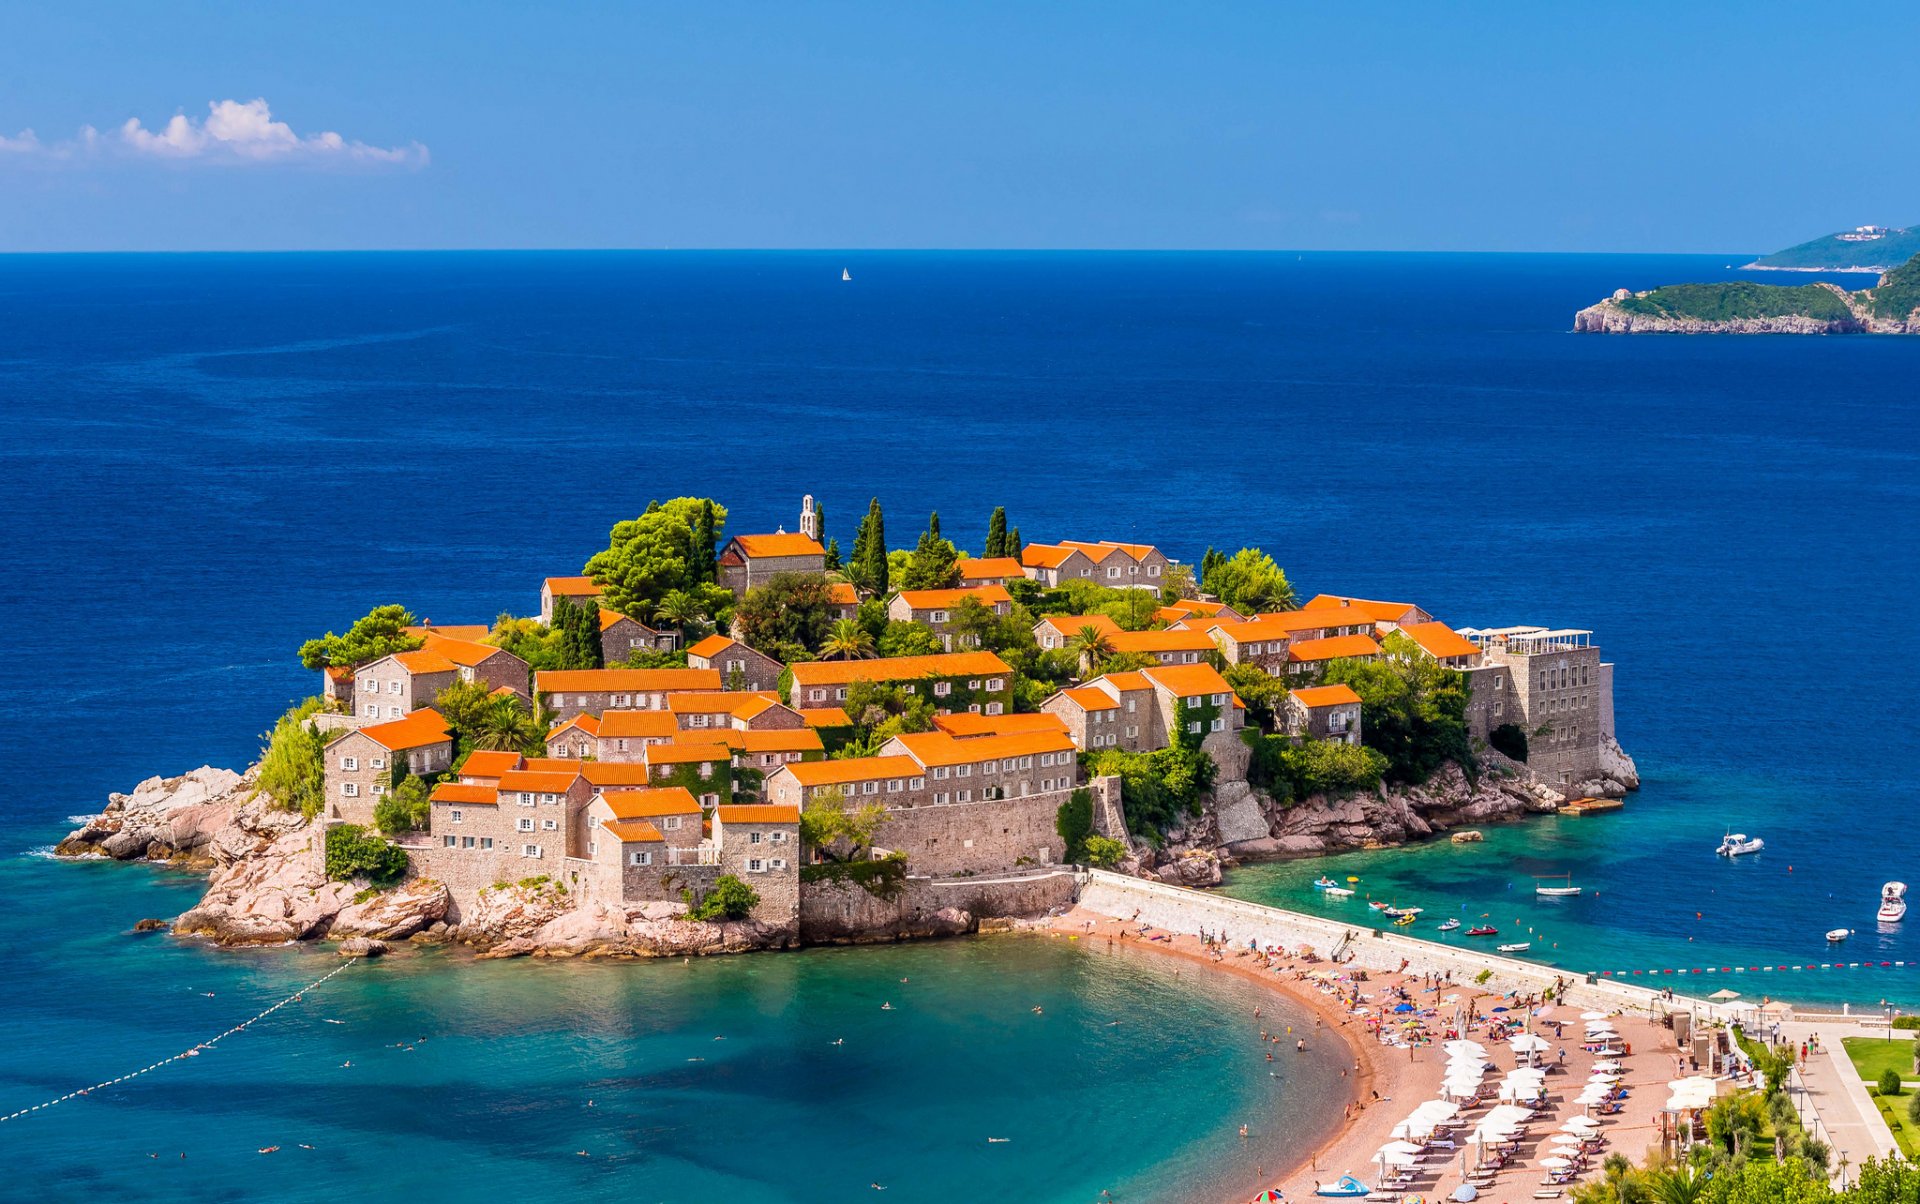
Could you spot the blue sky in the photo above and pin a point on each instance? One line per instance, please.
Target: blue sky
(1618, 127)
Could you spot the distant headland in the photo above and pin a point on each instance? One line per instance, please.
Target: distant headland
(1861, 249)
(1892, 306)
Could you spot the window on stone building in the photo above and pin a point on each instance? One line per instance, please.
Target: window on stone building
(350, 789)
(448, 841)
(526, 825)
(530, 850)
(486, 842)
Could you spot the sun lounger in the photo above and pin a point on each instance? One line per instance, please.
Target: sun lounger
(1547, 1195)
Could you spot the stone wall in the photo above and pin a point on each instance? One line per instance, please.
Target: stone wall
(844, 913)
(978, 836)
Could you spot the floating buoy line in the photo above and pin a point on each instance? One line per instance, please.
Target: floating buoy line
(184, 1054)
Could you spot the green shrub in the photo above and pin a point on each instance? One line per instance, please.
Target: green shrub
(354, 852)
(1332, 767)
(1159, 787)
(730, 899)
(292, 766)
(882, 877)
(1482, 977)
(1906, 1022)
(403, 809)
(1074, 822)
(1913, 1109)
(1105, 852)
(1890, 1082)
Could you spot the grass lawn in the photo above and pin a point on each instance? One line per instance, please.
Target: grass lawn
(1894, 1112)
(1872, 1056)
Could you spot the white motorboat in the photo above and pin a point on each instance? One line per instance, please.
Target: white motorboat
(1557, 892)
(1838, 934)
(1338, 892)
(1400, 912)
(1522, 947)
(1737, 844)
(1893, 902)
(1449, 926)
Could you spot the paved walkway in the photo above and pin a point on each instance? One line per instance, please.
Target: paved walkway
(1832, 1089)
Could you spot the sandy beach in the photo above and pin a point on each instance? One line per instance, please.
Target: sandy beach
(1390, 1079)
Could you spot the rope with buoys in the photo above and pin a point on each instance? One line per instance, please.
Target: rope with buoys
(185, 1054)
(1867, 965)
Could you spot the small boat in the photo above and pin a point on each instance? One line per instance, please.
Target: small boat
(1736, 844)
(1893, 902)
(1379, 905)
(1838, 934)
(1522, 947)
(1483, 930)
(1348, 1186)
(845, 275)
(1339, 892)
(1449, 926)
(1557, 892)
(1398, 912)
(1403, 921)
(1324, 883)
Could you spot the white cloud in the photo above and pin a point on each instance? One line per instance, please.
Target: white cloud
(233, 131)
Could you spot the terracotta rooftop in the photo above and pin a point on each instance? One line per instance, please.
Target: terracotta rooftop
(944, 599)
(423, 727)
(632, 831)
(857, 769)
(757, 813)
(1440, 641)
(643, 725)
(1188, 681)
(489, 763)
(1332, 649)
(826, 717)
(454, 792)
(648, 803)
(990, 568)
(572, 587)
(642, 681)
(1313, 697)
(779, 545)
(966, 724)
(900, 668)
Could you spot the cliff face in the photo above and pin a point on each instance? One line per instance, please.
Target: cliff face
(1840, 313)
(163, 819)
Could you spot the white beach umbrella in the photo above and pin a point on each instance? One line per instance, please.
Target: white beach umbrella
(1606, 1066)
(1581, 1125)
(1528, 1043)
(1593, 1015)
(1469, 1046)
(1556, 1164)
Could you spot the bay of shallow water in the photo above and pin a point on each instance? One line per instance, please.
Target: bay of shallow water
(208, 459)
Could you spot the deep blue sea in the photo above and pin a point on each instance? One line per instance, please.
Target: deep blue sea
(208, 459)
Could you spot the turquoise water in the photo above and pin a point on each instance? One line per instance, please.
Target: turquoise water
(719, 1079)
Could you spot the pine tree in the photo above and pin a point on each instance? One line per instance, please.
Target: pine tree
(996, 533)
(833, 555)
(857, 562)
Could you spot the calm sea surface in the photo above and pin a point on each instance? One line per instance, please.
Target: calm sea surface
(208, 459)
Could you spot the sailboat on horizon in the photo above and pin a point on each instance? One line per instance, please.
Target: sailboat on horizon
(845, 274)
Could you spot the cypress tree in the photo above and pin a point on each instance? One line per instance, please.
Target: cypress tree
(705, 566)
(857, 562)
(820, 521)
(876, 562)
(833, 555)
(933, 525)
(1013, 545)
(997, 533)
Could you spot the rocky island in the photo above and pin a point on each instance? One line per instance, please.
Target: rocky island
(1892, 306)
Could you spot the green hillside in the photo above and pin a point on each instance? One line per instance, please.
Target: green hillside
(1899, 295)
(1736, 299)
(1831, 252)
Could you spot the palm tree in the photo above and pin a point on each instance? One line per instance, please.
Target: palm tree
(682, 610)
(505, 726)
(849, 642)
(1091, 645)
(1678, 1187)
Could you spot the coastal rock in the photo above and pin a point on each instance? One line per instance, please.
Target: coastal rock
(164, 819)
(1198, 868)
(361, 946)
(152, 925)
(1238, 815)
(394, 915)
(1617, 765)
(270, 885)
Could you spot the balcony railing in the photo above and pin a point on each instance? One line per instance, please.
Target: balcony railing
(702, 854)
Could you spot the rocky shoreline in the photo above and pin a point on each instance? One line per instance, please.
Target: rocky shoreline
(1612, 317)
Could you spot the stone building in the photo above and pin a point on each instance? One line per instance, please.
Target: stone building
(1052, 565)
(750, 560)
(1556, 688)
(578, 737)
(1324, 713)
(395, 686)
(568, 692)
(1142, 711)
(952, 681)
(1386, 615)
(843, 600)
(934, 609)
(1244, 643)
(1309, 657)
(1167, 646)
(622, 635)
(704, 710)
(625, 735)
(358, 766)
(760, 845)
(496, 668)
(1443, 644)
(581, 591)
(740, 667)
(990, 570)
(1198, 609)
(1124, 565)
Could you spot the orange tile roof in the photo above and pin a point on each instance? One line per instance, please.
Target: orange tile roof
(1318, 619)
(966, 724)
(779, 545)
(636, 831)
(489, 763)
(572, 587)
(856, 769)
(1128, 680)
(539, 782)
(712, 644)
(421, 728)
(423, 660)
(687, 754)
(826, 717)
(585, 722)
(1326, 696)
(475, 632)
(644, 725)
(990, 568)
(1091, 698)
(1161, 641)
(1188, 681)
(1139, 551)
(338, 672)
(1044, 556)
(1382, 612)
(615, 773)
(555, 765)
(900, 668)
(843, 594)
(647, 803)
(757, 813)
(939, 748)
(1096, 552)
(943, 599)
(799, 739)
(461, 652)
(454, 792)
(641, 681)
(745, 703)
(1440, 641)
(1251, 631)
(1069, 626)
(1198, 606)
(1332, 649)
(609, 618)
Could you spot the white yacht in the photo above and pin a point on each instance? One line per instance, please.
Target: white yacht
(1556, 891)
(1736, 844)
(1893, 902)
(1837, 935)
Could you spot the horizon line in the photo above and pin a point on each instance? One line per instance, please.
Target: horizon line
(750, 250)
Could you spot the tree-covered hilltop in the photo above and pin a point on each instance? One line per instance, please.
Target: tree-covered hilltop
(1844, 252)
(1735, 299)
(1891, 306)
